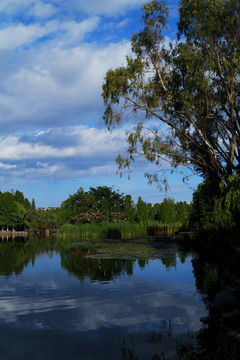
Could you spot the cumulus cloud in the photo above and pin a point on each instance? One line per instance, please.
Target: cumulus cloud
(57, 85)
(88, 142)
(61, 153)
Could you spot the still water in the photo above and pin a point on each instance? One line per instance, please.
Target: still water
(57, 304)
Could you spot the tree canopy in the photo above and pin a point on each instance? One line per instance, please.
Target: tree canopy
(184, 95)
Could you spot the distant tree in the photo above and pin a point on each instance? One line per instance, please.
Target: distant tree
(27, 204)
(53, 218)
(41, 219)
(101, 199)
(19, 197)
(151, 212)
(129, 209)
(79, 202)
(203, 204)
(182, 210)
(167, 211)
(107, 200)
(141, 211)
(157, 211)
(33, 206)
(12, 213)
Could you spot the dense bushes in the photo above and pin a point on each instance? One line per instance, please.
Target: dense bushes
(14, 210)
(217, 207)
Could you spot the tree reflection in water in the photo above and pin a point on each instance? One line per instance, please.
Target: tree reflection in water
(16, 255)
(217, 275)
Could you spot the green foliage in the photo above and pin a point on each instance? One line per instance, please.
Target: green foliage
(12, 211)
(44, 218)
(217, 208)
(141, 211)
(103, 200)
(167, 211)
(103, 204)
(203, 205)
(190, 89)
(106, 200)
(182, 211)
(227, 207)
(129, 209)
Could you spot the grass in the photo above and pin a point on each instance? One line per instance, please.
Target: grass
(102, 231)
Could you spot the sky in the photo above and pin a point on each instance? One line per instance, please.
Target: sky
(54, 55)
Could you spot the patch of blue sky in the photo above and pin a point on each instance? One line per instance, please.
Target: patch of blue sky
(49, 192)
(42, 40)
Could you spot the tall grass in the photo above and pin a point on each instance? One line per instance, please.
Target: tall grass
(103, 231)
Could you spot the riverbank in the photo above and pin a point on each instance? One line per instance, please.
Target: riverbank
(13, 233)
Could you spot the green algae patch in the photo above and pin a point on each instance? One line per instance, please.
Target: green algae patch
(132, 249)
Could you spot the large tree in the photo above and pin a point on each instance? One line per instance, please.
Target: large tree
(184, 96)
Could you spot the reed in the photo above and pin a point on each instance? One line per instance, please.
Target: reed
(114, 231)
(102, 231)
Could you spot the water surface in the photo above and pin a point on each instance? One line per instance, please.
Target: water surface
(57, 304)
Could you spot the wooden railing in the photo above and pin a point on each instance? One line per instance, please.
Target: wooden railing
(160, 230)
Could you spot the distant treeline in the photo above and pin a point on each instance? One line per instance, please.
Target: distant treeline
(97, 205)
(18, 213)
(103, 204)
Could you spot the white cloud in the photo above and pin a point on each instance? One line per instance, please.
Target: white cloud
(87, 143)
(57, 85)
(7, 166)
(64, 33)
(12, 149)
(42, 10)
(75, 32)
(107, 7)
(14, 36)
(13, 6)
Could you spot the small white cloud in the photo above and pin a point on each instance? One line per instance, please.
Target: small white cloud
(123, 23)
(41, 10)
(75, 31)
(41, 132)
(7, 166)
(42, 165)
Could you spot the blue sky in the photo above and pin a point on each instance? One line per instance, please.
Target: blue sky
(53, 58)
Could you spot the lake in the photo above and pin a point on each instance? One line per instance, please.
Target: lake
(59, 304)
